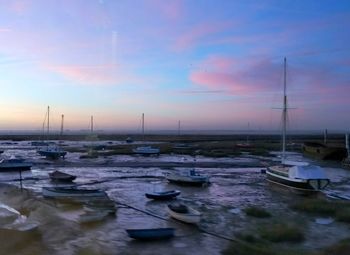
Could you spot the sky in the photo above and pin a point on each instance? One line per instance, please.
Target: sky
(212, 64)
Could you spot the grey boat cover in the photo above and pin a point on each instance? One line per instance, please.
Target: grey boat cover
(307, 172)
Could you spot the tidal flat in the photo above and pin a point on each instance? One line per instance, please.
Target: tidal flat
(232, 205)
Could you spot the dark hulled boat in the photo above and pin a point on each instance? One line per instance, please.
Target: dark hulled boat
(149, 234)
(165, 195)
(58, 176)
(323, 151)
(9, 165)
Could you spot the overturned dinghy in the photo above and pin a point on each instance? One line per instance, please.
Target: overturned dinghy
(150, 234)
(62, 192)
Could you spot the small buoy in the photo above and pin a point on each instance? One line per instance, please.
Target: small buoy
(263, 171)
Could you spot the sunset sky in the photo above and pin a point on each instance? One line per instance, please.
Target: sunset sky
(212, 64)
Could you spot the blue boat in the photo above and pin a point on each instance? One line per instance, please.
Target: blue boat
(53, 152)
(164, 195)
(150, 234)
(9, 165)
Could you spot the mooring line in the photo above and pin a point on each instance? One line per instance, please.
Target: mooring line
(166, 219)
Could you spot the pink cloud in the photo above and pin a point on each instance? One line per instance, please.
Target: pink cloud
(236, 76)
(199, 33)
(93, 74)
(172, 10)
(4, 30)
(20, 6)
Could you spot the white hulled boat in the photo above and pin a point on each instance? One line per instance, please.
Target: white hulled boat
(187, 176)
(304, 178)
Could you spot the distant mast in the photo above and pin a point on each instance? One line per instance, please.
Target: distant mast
(179, 128)
(62, 123)
(91, 124)
(325, 133)
(284, 114)
(143, 126)
(347, 144)
(48, 121)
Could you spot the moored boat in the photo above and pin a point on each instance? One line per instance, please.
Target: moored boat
(61, 192)
(307, 178)
(323, 151)
(99, 204)
(146, 150)
(164, 195)
(188, 176)
(9, 165)
(184, 213)
(303, 178)
(52, 152)
(151, 233)
(59, 176)
(92, 216)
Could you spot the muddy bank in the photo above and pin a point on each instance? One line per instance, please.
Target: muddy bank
(57, 229)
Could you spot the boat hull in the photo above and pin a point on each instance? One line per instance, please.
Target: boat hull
(191, 217)
(151, 234)
(311, 185)
(163, 195)
(324, 152)
(52, 154)
(187, 182)
(146, 150)
(71, 193)
(61, 177)
(15, 167)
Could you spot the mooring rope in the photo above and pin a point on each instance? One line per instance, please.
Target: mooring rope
(166, 219)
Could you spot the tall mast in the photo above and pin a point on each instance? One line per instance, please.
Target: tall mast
(347, 144)
(143, 126)
(178, 127)
(62, 121)
(48, 121)
(284, 114)
(92, 124)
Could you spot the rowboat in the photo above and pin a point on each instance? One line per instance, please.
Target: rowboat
(92, 216)
(164, 195)
(151, 233)
(61, 192)
(106, 205)
(61, 177)
(184, 213)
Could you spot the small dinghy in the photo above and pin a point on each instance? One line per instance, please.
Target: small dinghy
(58, 176)
(184, 213)
(164, 195)
(93, 216)
(61, 192)
(149, 234)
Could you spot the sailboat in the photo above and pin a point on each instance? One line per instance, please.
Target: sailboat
(145, 150)
(51, 151)
(303, 178)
